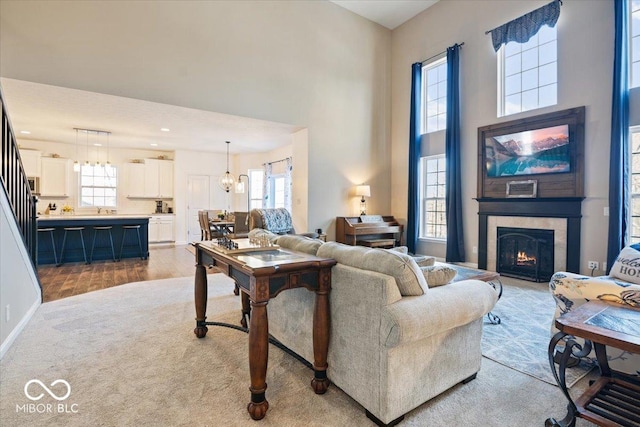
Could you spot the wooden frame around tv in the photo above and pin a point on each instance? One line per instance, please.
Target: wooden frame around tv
(568, 184)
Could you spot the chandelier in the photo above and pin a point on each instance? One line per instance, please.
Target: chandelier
(227, 180)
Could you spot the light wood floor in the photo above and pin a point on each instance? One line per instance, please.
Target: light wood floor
(69, 279)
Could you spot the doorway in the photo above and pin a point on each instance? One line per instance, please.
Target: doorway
(198, 191)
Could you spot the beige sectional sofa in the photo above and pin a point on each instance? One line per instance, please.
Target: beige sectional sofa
(390, 352)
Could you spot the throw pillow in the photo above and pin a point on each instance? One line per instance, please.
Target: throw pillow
(424, 260)
(401, 249)
(438, 275)
(627, 265)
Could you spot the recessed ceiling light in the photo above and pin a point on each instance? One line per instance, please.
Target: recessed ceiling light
(165, 129)
(26, 132)
(153, 144)
(97, 145)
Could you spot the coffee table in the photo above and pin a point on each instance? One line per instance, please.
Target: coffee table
(261, 273)
(468, 273)
(614, 398)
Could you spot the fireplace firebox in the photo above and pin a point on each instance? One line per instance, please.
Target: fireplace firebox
(525, 253)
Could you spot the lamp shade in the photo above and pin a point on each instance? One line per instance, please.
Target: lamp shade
(363, 190)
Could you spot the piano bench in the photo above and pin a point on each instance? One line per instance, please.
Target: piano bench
(378, 243)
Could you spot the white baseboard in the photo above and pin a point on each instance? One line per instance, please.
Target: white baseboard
(6, 344)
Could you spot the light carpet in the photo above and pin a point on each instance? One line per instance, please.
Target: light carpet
(131, 359)
(521, 340)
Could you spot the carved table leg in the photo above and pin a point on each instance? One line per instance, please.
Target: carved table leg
(246, 309)
(258, 357)
(321, 326)
(201, 301)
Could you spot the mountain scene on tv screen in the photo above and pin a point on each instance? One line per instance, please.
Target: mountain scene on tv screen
(538, 151)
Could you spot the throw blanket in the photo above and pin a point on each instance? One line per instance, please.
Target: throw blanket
(276, 220)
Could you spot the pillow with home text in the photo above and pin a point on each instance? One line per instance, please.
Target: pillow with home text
(627, 265)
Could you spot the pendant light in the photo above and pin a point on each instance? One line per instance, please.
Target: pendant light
(76, 163)
(227, 180)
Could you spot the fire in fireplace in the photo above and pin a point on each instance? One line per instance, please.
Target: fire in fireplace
(526, 253)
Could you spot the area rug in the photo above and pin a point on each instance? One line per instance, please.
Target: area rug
(130, 358)
(522, 338)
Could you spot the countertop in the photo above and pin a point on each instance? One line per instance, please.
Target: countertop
(97, 216)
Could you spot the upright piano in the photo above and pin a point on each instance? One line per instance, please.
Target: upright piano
(376, 231)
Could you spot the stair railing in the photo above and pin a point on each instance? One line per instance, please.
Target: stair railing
(16, 186)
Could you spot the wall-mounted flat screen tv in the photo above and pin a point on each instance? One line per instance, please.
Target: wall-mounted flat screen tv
(531, 152)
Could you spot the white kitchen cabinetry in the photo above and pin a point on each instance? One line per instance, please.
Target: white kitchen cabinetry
(153, 179)
(31, 162)
(161, 228)
(55, 177)
(135, 180)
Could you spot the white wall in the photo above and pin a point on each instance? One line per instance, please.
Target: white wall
(585, 52)
(19, 290)
(308, 63)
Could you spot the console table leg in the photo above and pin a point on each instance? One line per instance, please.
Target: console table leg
(258, 357)
(200, 290)
(246, 309)
(321, 327)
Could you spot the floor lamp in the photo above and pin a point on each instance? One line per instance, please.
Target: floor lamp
(240, 188)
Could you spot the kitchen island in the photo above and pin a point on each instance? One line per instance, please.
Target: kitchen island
(73, 249)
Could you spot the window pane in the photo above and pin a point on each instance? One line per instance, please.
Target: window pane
(548, 95)
(635, 24)
(529, 80)
(442, 72)
(635, 48)
(432, 75)
(512, 65)
(529, 99)
(530, 59)
(442, 121)
(432, 108)
(512, 84)
(432, 92)
(512, 48)
(548, 74)
(635, 72)
(513, 104)
(442, 89)
(546, 34)
(548, 53)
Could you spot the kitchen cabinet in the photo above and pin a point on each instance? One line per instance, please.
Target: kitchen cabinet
(55, 177)
(31, 162)
(135, 180)
(161, 228)
(152, 179)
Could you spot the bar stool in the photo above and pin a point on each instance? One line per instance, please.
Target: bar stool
(64, 243)
(95, 234)
(124, 236)
(53, 241)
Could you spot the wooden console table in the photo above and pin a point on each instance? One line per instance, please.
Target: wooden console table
(261, 275)
(614, 399)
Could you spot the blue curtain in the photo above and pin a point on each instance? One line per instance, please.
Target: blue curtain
(619, 160)
(523, 28)
(413, 209)
(455, 235)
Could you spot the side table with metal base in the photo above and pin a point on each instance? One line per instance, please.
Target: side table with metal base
(614, 398)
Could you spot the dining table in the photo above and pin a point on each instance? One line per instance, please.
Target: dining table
(221, 227)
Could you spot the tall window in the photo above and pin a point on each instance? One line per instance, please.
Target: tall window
(434, 96)
(527, 73)
(277, 190)
(635, 43)
(634, 171)
(256, 177)
(98, 186)
(433, 218)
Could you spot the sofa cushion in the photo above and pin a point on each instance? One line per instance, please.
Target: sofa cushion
(299, 244)
(401, 267)
(438, 275)
(627, 265)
